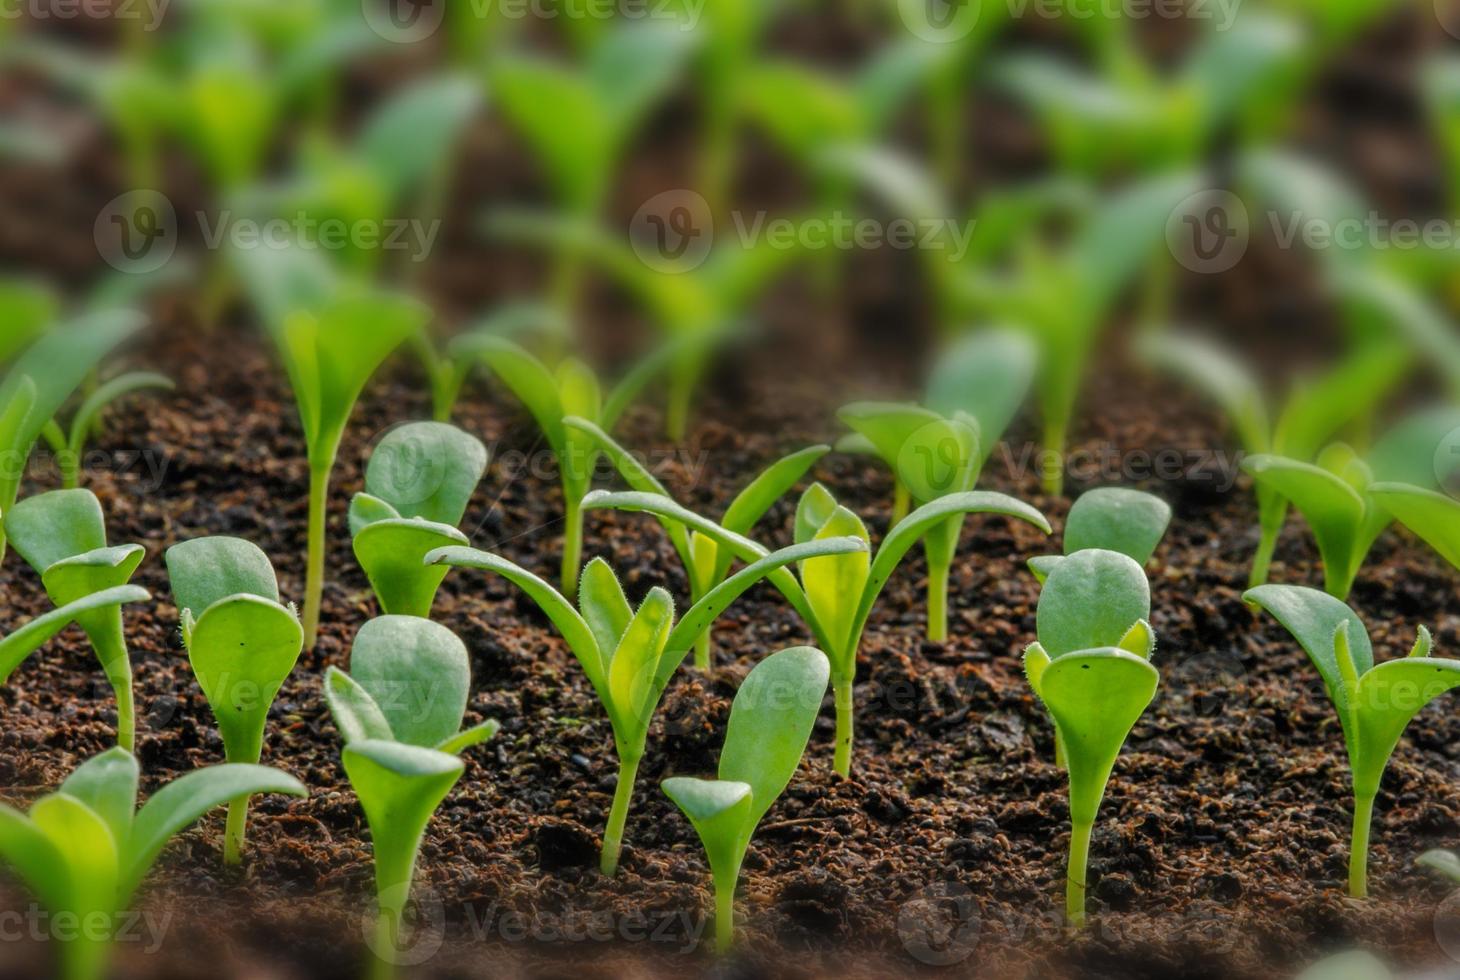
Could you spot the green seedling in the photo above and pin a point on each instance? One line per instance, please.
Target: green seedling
(630, 654)
(69, 445)
(242, 644)
(770, 724)
(332, 337)
(551, 396)
(1417, 477)
(1315, 410)
(62, 535)
(835, 595)
(706, 564)
(1113, 519)
(39, 382)
(399, 711)
(1434, 517)
(1374, 702)
(1091, 668)
(417, 485)
(85, 848)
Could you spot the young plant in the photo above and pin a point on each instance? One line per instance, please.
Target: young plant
(1091, 668)
(36, 633)
(770, 724)
(242, 644)
(629, 655)
(1314, 412)
(551, 396)
(69, 445)
(705, 563)
(1374, 702)
(40, 381)
(1119, 519)
(399, 711)
(85, 848)
(417, 485)
(835, 594)
(332, 336)
(1433, 516)
(62, 535)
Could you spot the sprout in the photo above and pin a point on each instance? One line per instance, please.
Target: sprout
(85, 848)
(70, 446)
(1314, 412)
(242, 644)
(770, 724)
(1091, 668)
(332, 337)
(399, 711)
(1433, 516)
(1113, 519)
(1374, 702)
(62, 535)
(1417, 474)
(417, 485)
(706, 564)
(551, 396)
(835, 594)
(630, 654)
(41, 380)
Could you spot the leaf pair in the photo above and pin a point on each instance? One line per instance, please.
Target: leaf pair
(1374, 702)
(85, 848)
(836, 592)
(399, 711)
(62, 535)
(628, 654)
(770, 723)
(69, 445)
(1091, 668)
(417, 485)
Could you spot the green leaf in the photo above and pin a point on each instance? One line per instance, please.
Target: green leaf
(1042, 565)
(38, 861)
(1117, 519)
(92, 855)
(1410, 451)
(834, 584)
(366, 510)
(887, 426)
(355, 712)
(605, 608)
(720, 813)
(53, 526)
(417, 672)
(242, 649)
(85, 419)
(473, 736)
(986, 376)
(107, 785)
(1333, 509)
(1316, 410)
(1389, 696)
(393, 552)
(1140, 640)
(28, 638)
(1433, 516)
(1090, 601)
(96, 571)
(637, 476)
(204, 571)
(427, 470)
(813, 510)
(28, 309)
(407, 140)
(634, 664)
(526, 377)
(1445, 862)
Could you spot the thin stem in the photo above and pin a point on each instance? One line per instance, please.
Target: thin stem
(319, 485)
(724, 913)
(126, 713)
(676, 422)
(901, 502)
(1358, 859)
(1077, 873)
(107, 638)
(1054, 444)
(703, 651)
(387, 927)
(613, 834)
(1262, 560)
(234, 832)
(937, 602)
(842, 761)
(572, 542)
(83, 958)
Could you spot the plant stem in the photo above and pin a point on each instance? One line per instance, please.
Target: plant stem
(387, 927)
(107, 637)
(83, 958)
(901, 502)
(842, 761)
(1054, 444)
(725, 912)
(572, 542)
(613, 834)
(1262, 560)
(1077, 873)
(234, 832)
(319, 485)
(676, 420)
(1358, 859)
(702, 651)
(937, 602)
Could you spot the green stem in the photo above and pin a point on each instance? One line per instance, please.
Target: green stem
(387, 928)
(725, 911)
(319, 485)
(842, 761)
(1054, 442)
(613, 834)
(1358, 859)
(1077, 873)
(901, 502)
(937, 602)
(234, 832)
(107, 636)
(1262, 560)
(572, 542)
(83, 958)
(676, 422)
(702, 651)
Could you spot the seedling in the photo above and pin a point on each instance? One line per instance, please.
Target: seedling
(36, 633)
(1114, 519)
(1315, 410)
(835, 595)
(242, 643)
(70, 445)
(1091, 668)
(417, 485)
(332, 337)
(399, 711)
(706, 564)
(85, 848)
(629, 655)
(551, 396)
(62, 535)
(770, 724)
(41, 380)
(1374, 702)
(1433, 516)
